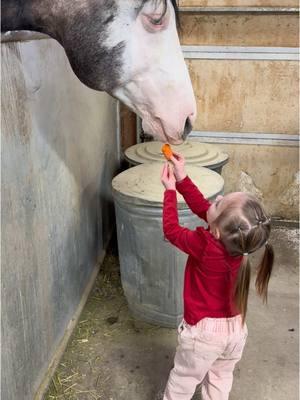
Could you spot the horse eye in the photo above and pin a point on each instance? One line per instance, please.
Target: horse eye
(156, 21)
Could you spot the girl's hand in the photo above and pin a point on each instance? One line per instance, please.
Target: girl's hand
(178, 165)
(167, 177)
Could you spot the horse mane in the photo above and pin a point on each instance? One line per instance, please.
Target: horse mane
(176, 9)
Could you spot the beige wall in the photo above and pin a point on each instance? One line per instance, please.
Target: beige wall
(270, 172)
(246, 95)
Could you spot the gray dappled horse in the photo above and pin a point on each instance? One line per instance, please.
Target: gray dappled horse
(128, 48)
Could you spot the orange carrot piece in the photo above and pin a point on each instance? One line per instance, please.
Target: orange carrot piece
(167, 151)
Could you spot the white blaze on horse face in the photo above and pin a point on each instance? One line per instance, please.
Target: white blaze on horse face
(155, 82)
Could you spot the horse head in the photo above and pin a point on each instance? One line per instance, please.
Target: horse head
(128, 48)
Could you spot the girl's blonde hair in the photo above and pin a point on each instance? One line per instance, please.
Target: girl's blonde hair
(243, 230)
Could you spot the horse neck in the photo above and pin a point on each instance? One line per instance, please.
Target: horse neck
(31, 15)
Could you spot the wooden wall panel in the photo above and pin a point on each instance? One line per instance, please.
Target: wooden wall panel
(239, 3)
(246, 81)
(246, 95)
(281, 30)
(127, 127)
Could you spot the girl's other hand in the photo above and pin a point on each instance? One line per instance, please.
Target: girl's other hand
(178, 163)
(167, 177)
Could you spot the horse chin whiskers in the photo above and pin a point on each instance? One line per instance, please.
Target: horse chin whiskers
(167, 137)
(155, 127)
(175, 141)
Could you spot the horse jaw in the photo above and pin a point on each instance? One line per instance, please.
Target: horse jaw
(155, 82)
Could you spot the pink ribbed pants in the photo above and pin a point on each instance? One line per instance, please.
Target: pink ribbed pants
(207, 353)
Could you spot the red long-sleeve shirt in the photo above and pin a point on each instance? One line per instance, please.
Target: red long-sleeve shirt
(210, 271)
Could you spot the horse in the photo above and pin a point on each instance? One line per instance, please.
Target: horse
(127, 48)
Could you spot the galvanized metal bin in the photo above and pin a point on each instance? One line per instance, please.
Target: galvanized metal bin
(151, 268)
(194, 152)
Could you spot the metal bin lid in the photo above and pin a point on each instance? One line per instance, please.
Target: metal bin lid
(194, 152)
(141, 185)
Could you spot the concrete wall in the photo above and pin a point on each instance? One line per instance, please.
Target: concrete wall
(243, 62)
(59, 154)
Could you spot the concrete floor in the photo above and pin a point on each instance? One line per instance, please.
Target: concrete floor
(112, 357)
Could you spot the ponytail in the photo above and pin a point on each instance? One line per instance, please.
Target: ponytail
(243, 280)
(242, 287)
(264, 271)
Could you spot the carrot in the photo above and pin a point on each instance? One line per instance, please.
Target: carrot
(167, 151)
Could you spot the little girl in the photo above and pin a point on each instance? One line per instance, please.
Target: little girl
(213, 333)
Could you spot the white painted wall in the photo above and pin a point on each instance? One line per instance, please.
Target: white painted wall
(59, 154)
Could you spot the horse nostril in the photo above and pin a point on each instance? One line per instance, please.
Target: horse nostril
(187, 128)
